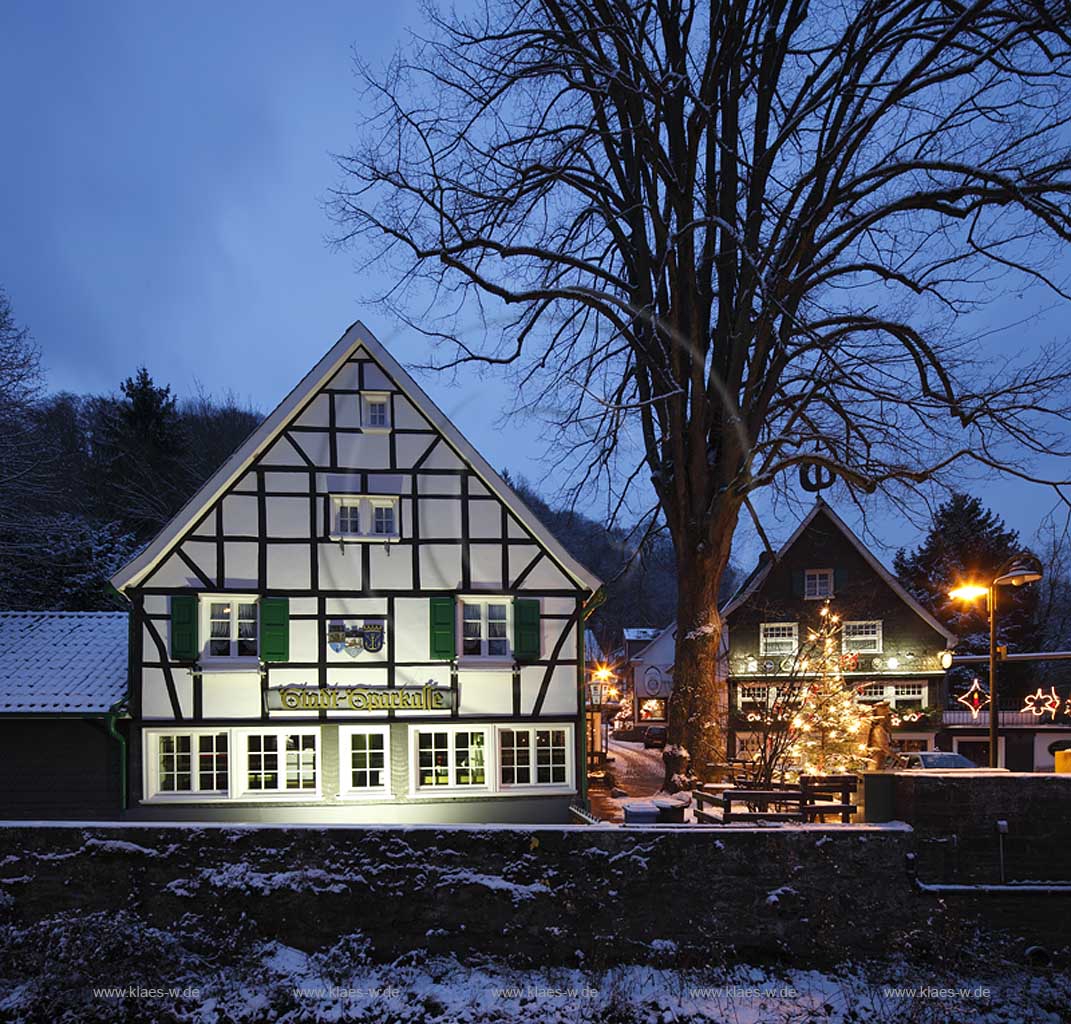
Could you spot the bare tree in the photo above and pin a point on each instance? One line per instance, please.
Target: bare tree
(20, 385)
(731, 240)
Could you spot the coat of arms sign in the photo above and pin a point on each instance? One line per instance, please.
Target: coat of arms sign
(353, 638)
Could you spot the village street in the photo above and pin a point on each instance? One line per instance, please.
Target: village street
(636, 771)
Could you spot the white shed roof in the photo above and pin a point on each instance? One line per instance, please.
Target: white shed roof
(62, 662)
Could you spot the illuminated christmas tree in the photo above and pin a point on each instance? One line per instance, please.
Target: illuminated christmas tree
(827, 733)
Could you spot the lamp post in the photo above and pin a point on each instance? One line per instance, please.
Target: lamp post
(1017, 571)
(600, 687)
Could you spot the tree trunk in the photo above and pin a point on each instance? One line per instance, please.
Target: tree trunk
(698, 707)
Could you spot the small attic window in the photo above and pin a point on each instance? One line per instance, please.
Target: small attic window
(817, 584)
(375, 410)
(365, 517)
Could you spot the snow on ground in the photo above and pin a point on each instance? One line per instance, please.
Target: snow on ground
(114, 967)
(637, 771)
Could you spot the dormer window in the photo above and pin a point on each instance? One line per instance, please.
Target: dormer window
(364, 517)
(818, 584)
(375, 411)
(349, 517)
(383, 518)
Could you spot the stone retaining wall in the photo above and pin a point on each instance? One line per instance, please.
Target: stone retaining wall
(546, 895)
(955, 816)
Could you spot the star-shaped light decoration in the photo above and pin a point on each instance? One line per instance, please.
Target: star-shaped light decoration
(975, 700)
(1041, 703)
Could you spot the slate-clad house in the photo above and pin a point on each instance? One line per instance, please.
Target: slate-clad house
(356, 619)
(63, 680)
(890, 645)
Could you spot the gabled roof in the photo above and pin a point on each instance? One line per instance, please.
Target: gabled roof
(640, 633)
(758, 577)
(62, 662)
(356, 336)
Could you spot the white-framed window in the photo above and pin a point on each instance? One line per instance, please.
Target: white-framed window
(486, 625)
(281, 761)
(375, 410)
(187, 763)
(911, 690)
(364, 760)
(240, 764)
(754, 695)
(450, 757)
(817, 584)
(778, 638)
(364, 517)
(861, 637)
(229, 625)
(873, 691)
(383, 513)
(534, 756)
(348, 517)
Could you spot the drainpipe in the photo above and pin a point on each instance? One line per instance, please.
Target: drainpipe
(109, 723)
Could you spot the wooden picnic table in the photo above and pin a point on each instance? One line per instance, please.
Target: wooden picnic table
(810, 798)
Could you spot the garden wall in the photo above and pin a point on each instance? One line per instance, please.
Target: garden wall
(955, 815)
(545, 895)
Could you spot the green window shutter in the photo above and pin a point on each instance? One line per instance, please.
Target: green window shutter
(526, 628)
(443, 628)
(839, 581)
(797, 583)
(184, 646)
(275, 628)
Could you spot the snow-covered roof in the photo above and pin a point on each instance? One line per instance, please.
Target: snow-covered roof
(356, 336)
(592, 647)
(62, 662)
(637, 633)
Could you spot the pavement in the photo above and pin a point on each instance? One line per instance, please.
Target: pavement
(637, 771)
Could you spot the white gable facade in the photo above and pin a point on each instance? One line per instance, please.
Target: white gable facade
(356, 620)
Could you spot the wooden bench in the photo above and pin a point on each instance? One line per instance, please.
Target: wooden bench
(829, 794)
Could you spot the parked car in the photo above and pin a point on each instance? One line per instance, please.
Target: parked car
(655, 737)
(940, 759)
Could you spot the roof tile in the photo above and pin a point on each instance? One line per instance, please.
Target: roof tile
(70, 662)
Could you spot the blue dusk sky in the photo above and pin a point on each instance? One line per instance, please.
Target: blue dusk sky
(162, 202)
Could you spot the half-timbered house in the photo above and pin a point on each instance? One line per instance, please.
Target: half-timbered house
(356, 619)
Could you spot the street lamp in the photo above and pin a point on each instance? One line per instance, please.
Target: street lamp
(600, 689)
(601, 685)
(1017, 571)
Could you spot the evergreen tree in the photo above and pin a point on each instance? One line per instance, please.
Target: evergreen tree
(827, 733)
(70, 566)
(140, 452)
(969, 542)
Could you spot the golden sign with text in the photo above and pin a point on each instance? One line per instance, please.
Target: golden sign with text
(359, 698)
